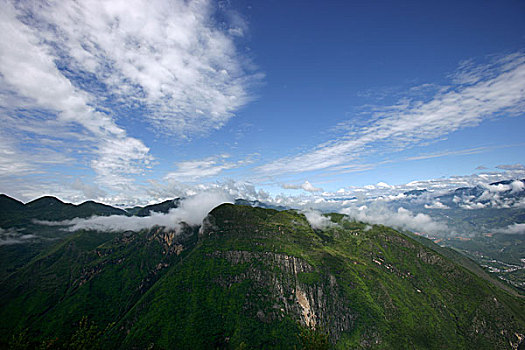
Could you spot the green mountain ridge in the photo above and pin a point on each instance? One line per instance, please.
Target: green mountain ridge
(14, 213)
(257, 278)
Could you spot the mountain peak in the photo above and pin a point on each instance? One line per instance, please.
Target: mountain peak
(44, 201)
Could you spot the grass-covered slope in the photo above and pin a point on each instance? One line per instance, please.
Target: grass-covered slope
(257, 278)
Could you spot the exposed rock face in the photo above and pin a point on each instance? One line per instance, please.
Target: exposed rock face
(174, 241)
(277, 281)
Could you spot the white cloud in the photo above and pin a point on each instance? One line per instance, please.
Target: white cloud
(89, 191)
(498, 88)
(193, 170)
(516, 166)
(34, 81)
(402, 218)
(166, 56)
(10, 161)
(498, 188)
(191, 211)
(317, 220)
(307, 186)
(71, 71)
(13, 236)
(494, 195)
(383, 185)
(517, 186)
(513, 229)
(436, 205)
(468, 151)
(473, 205)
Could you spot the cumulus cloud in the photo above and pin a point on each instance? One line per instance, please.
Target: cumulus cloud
(500, 195)
(514, 229)
(498, 89)
(383, 185)
(401, 218)
(317, 220)
(307, 186)
(517, 186)
(191, 211)
(436, 205)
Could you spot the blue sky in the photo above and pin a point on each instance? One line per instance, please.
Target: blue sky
(134, 102)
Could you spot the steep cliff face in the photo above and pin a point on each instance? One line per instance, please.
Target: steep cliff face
(294, 288)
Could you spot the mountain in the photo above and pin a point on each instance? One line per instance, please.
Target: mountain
(414, 192)
(259, 204)
(163, 207)
(256, 278)
(22, 237)
(504, 194)
(479, 219)
(9, 208)
(15, 213)
(9, 204)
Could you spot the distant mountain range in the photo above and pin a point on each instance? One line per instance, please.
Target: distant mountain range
(13, 212)
(502, 194)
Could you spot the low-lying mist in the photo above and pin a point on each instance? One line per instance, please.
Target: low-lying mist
(317, 220)
(401, 218)
(191, 211)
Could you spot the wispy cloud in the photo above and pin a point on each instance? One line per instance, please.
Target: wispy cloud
(476, 93)
(514, 229)
(13, 236)
(70, 71)
(167, 57)
(194, 170)
(461, 152)
(516, 166)
(307, 186)
(33, 81)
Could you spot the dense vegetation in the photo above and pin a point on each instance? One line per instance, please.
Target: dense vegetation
(255, 278)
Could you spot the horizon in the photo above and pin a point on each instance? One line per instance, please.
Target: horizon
(132, 104)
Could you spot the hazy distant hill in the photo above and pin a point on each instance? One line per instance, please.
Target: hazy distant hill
(479, 218)
(257, 278)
